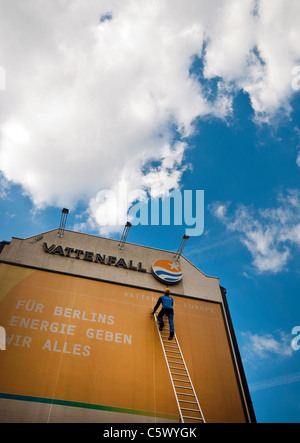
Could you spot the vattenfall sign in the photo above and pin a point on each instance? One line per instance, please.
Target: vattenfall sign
(93, 257)
(164, 271)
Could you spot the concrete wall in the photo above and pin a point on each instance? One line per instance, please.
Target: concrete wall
(31, 252)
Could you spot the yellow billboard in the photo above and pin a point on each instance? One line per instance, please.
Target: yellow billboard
(83, 343)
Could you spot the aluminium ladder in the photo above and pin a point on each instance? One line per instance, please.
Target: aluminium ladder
(188, 405)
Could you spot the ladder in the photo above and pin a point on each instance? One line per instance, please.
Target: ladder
(188, 405)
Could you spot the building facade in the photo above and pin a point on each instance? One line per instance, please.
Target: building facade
(82, 345)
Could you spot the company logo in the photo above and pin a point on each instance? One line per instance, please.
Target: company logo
(166, 271)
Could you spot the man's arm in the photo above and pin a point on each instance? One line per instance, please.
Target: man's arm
(157, 305)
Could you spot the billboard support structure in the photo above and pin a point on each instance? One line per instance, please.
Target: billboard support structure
(124, 236)
(63, 221)
(181, 247)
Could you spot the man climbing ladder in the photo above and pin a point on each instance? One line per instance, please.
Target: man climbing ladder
(186, 398)
(167, 303)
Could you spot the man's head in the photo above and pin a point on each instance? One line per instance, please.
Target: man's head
(167, 291)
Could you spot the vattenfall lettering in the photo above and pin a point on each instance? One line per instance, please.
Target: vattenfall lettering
(95, 257)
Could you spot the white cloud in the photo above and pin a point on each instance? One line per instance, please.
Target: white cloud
(266, 346)
(107, 211)
(269, 234)
(96, 99)
(276, 381)
(297, 132)
(220, 210)
(254, 44)
(95, 88)
(4, 187)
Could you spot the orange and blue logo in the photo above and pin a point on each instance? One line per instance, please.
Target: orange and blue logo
(167, 271)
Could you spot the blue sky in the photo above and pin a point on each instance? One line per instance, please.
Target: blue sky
(192, 97)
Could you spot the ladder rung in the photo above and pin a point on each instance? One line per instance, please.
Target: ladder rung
(183, 387)
(187, 401)
(173, 356)
(183, 393)
(176, 373)
(193, 410)
(171, 347)
(192, 418)
(173, 352)
(183, 381)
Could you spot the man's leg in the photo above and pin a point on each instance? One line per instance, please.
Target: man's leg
(171, 324)
(160, 320)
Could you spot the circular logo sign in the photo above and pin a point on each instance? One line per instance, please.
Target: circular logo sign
(166, 271)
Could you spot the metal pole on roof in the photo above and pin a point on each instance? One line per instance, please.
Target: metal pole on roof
(63, 220)
(181, 247)
(124, 235)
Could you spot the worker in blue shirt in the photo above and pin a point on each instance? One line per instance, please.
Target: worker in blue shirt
(167, 303)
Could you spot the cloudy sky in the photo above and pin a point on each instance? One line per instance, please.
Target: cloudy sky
(152, 96)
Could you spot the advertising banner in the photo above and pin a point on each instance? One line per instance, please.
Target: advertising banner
(91, 345)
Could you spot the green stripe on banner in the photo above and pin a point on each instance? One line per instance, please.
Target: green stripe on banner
(75, 404)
